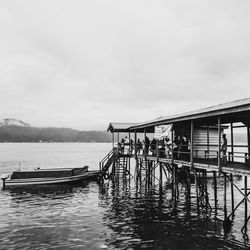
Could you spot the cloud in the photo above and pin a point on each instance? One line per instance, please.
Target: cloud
(85, 63)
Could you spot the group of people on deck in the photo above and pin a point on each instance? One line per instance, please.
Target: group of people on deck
(163, 147)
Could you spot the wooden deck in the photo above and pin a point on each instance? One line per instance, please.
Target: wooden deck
(236, 168)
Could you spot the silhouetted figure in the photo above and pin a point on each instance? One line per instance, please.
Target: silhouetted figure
(147, 144)
(153, 147)
(162, 149)
(122, 145)
(139, 146)
(224, 149)
(131, 143)
(184, 148)
(176, 150)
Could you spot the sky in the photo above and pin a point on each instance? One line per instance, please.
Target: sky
(83, 64)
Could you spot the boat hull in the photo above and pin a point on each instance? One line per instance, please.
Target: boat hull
(48, 181)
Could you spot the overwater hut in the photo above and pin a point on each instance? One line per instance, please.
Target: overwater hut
(203, 130)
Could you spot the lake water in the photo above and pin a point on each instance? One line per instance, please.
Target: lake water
(108, 216)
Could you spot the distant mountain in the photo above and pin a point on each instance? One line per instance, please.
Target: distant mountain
(11, 121)
(12, 130)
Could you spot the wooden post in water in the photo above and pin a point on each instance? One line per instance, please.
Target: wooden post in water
(232, 193)
(205, 185)
(174, 181)
(147, 177)
(129, 154)
(160, 182)
(215, 192)
(188, 184)
(225, 196)
(136, 159)
(219, 144)
(197, 190)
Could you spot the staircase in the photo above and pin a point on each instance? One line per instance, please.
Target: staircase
(120, 167)
(118, 163)
(107, 161)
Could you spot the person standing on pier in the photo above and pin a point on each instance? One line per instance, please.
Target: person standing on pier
(126, 145)
(224, 149)
(147, 144)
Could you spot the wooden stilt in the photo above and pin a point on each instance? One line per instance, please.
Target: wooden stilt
(225, 196)
(205, 186)
(232, 193)
(160, 182)
(197, 190)
(174, 182)
(188, 184)
(215, 193)
(245, 186)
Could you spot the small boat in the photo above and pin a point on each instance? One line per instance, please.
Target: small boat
(47, 176)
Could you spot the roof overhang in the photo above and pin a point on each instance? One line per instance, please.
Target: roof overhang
(237, 111)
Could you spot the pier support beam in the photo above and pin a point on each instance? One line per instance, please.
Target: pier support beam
(225, 196)
(219, 144)
(232, 143)
(197, 191)
(192, 145)
(160, 182)
(215, 193)
(232, 194)
(246, 194)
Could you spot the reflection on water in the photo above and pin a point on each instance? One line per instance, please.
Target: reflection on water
(148, 220)
(112, 216)
(108, 216)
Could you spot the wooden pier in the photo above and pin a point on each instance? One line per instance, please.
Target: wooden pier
(192, 160)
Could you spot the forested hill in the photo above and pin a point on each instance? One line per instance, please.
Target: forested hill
(14, 133)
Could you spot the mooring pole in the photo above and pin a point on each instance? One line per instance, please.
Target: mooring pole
(232, 193)
(215, 192)
(225, 196)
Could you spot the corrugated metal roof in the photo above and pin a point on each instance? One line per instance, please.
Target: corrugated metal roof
(217, 110)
